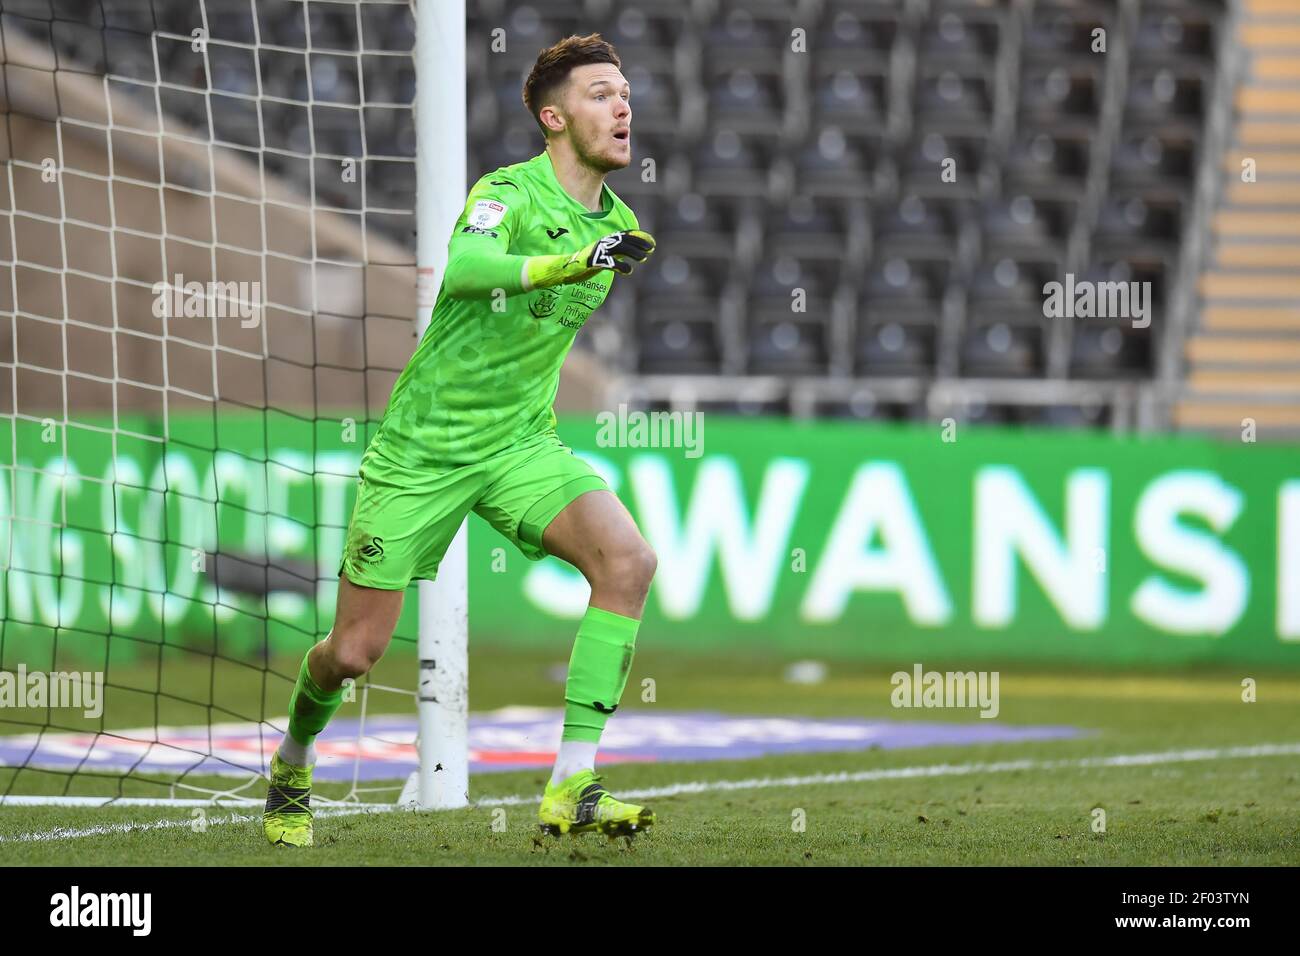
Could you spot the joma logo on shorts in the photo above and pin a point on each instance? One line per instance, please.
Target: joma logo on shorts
(372, 551)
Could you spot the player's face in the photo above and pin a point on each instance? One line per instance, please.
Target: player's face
(599, 116)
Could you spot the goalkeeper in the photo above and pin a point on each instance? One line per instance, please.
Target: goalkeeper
(469, 426)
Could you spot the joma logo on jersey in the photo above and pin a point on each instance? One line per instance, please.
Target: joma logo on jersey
(372, 551)
(543, 304)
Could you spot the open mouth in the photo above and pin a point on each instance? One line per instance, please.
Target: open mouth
(622, 135)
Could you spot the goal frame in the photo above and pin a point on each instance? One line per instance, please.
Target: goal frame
(442, 780)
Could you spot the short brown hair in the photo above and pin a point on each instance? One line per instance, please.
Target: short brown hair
(553, 65)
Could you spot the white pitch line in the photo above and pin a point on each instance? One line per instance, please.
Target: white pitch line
(24, 800)
(678, 789)
(106, 829)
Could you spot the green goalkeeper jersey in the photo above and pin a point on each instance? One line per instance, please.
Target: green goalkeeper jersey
(484, 375)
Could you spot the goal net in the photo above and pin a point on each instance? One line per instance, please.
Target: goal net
(207, 248)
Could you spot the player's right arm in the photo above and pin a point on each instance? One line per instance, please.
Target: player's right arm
(478, 262)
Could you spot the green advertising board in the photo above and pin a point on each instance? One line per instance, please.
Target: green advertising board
(829, 538)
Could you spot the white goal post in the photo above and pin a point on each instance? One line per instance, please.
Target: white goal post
(443, 692)
(174, 481)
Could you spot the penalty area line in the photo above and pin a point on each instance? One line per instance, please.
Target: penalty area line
(681, 789)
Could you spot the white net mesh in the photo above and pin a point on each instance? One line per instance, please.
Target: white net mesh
(208, 268)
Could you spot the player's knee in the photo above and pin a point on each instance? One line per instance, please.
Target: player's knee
(631, 568)
(649, 563)
(352, 655)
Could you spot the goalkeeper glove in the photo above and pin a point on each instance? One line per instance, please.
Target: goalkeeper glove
(609, 252)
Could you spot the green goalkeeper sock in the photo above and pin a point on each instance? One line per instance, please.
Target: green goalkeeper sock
(598, 671)
(310, 708)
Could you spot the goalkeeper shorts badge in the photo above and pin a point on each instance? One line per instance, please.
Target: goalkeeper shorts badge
(369, 552)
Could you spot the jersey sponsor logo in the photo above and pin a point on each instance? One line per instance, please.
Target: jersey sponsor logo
(371, 551)
(556, 233)
(487, 213)
(476, 231)
(576, 314)
(543, 304)
(501, 182)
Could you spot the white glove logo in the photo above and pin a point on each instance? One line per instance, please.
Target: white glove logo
(601, 257)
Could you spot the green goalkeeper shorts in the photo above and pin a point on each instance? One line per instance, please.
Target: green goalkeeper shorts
(404, 519)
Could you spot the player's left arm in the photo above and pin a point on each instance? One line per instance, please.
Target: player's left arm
(617, 251)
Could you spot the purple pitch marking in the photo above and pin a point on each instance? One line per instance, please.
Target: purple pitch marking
(515, 738)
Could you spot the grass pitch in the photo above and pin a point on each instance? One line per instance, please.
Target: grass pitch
(1201, 803)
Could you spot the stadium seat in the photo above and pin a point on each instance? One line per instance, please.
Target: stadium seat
(787, 344)
(1135, 219)
(669, 274)
(679, 339)
(656, 104)
(732, 163)
(1043, 161)
(517, 142)
(1110, 349)
(853, 34)
(852, 99)
(1023, 221)
(1110, 345)
(775, 280)
(816, 227)
(642, 36)
(1172, 32)
(1165, 95)
(692, 223)
(740, 38)
(744, 99)
(788, 315)
(954, 101)
(930, 223)
(1015, 281)
(337, 131)
(1146, 160)
(652, 180)
(1060, 32)
(529, 27)
(958, 35)
(1066, 97)
(391, 79)
(836, 162)
(922, 168)
(1003, 343)
(890, 340)
(229, 20)
(904, 281)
